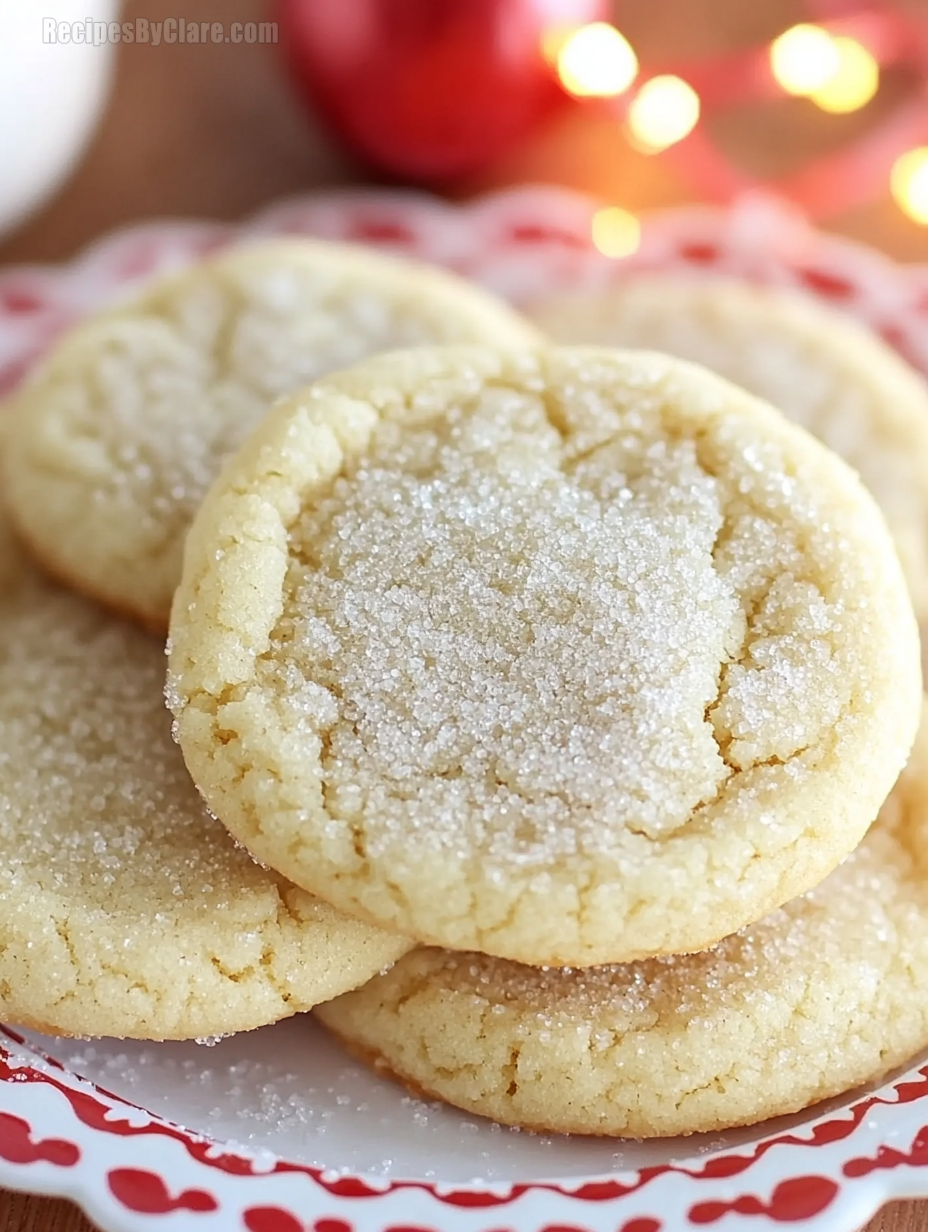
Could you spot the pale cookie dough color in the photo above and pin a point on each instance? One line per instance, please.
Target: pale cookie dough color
(125, 909)
(818, 366)
(119, 433)
(827, 993)
(570, 656)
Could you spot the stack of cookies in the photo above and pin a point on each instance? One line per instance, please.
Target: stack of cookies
(549, 713)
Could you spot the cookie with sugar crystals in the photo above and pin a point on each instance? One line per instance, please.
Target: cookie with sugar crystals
(821, 368)
(121, 430)
(125, 909)
(823, 995)
(569, 656)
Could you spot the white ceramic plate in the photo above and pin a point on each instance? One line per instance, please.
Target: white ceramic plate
(276, 1130)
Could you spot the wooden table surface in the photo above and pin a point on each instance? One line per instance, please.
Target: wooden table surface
(214, 131)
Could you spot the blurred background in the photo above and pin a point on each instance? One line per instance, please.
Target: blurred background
(697, 100)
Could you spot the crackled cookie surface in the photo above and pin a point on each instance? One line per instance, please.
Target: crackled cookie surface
(125, 909)
(119, 433)
(824, 994)
(569, 657)
(821, 368)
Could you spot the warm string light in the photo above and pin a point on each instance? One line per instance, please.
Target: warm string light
(596, 61)
(616, 232)
(854, 81)
(803, 59)
(839, 74)
(663, 112)
(909, 184)
(836, 72)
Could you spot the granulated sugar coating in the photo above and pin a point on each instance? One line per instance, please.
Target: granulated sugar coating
(125, 909)
(824, 994)
(568, 657)
(821, 368)
(121, 431)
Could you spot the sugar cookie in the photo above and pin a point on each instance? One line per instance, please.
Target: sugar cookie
(125, 909)
(121, 430)
(570, 657)
(820, 367)
(827, 993)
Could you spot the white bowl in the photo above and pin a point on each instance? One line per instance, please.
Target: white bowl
(51, 95)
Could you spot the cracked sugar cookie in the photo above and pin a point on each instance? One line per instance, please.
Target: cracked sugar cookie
(821, 368)
(119, 433)
(125, 909)
(826, 993)
(568, 656)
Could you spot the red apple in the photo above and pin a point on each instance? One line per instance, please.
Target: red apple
(428, 89)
